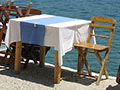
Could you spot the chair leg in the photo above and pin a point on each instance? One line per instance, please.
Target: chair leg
(85, 61)
(34, 59)
(101, 61)
(103, 67)
(6, 52)
(29, 51)
(100, 74)
(107, 53)
(31, 54)
(88, 68)
(118, 76)
(80, 61)
(26, 63)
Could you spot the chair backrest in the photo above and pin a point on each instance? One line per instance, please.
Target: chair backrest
(105, 23)
(2, 10)
(4, 17)
(32, 12)
(5, 10)
(6, 3)
(8, 12)
(28, 9)
(16, 10)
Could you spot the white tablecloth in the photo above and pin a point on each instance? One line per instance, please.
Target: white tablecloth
(59, 32)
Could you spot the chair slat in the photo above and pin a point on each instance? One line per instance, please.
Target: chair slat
(102, 26)
(28, 9)
(103, 19)
(13, 14)
(32, 11)
(100, 36)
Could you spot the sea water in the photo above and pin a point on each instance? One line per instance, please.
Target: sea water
(82, 9)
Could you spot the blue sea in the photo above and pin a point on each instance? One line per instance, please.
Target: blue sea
(82, 9)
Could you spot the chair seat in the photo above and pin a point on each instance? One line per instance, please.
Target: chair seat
(92, 46)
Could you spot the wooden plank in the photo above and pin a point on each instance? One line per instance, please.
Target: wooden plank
(103, 19)
(17, 57)
(102, 26)
(57, 70)
(100, 36)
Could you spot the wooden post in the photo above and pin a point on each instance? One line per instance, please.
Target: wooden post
(42, 56)
(17, 57)
(57, 70)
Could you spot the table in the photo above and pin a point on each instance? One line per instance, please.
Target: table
(47, 30)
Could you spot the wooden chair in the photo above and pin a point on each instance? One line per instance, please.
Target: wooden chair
(15, 12)
(2, 11)
(97, 23)
(4, 17)
(3, 14)
(7, 11)
(3, 20)
(30, 49)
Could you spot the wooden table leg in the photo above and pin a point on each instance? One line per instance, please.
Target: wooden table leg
(42, 56)
(17, 57)
(57, 70)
